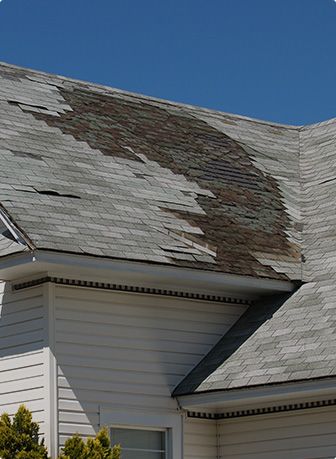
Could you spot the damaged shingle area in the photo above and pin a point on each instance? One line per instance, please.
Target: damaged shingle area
(153, 181)
(232, 221)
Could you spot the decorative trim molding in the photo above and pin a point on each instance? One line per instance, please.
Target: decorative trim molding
(129, 289)
(263, 411)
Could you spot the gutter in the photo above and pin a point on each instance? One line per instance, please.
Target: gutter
(261, 396)
(21, 265)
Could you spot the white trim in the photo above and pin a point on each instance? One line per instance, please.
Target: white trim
(155, 421)
(14, 231)
(139, 273)
(133, 427)
(50, 371)
(258, 396)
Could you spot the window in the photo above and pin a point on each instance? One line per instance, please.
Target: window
(167, 428)
(140, 443)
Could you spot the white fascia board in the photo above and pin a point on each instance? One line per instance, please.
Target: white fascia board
(137, 273)
(236, 399)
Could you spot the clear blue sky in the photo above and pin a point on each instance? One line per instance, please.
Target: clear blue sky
(269, 59)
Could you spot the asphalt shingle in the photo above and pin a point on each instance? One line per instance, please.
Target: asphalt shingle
(191, 187)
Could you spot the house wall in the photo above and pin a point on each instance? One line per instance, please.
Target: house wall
(124, 353)
(200, 439)
(23, 352)
(307, 434)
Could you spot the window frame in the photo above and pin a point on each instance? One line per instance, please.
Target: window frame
(166, 431)
(172, 424)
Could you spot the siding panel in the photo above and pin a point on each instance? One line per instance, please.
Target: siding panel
(127, 352)
(200, 439)
(301, 435)
(22, 340)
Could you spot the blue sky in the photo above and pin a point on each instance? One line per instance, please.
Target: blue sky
(268, 59)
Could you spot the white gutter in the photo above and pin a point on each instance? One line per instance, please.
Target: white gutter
(138, 273)
(276, 394)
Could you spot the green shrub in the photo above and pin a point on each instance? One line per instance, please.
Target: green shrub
(95, 448)
(19, 437)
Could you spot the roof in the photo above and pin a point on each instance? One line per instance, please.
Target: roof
(92, 170)
(283, 339)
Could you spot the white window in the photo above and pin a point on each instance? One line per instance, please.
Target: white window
(141, 443)
(145, 435)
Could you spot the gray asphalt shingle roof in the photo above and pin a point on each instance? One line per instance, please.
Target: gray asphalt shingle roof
(92, 170)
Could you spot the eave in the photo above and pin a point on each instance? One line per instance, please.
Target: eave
(270, 395)
(32, 263)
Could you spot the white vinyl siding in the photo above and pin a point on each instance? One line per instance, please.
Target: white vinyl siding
(297, 435)
(125, 351)
(200, 439)
(22, 342)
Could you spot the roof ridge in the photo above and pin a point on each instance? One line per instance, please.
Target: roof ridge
(148, 98)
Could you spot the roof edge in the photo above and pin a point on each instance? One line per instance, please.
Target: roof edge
(170, 277)
(279, 392)
(145, 97)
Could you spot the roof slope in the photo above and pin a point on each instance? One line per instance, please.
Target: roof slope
(289, 339)
(92, 170)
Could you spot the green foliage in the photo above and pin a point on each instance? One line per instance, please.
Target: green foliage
(95, 448)
(19, 438)
(116, 452)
